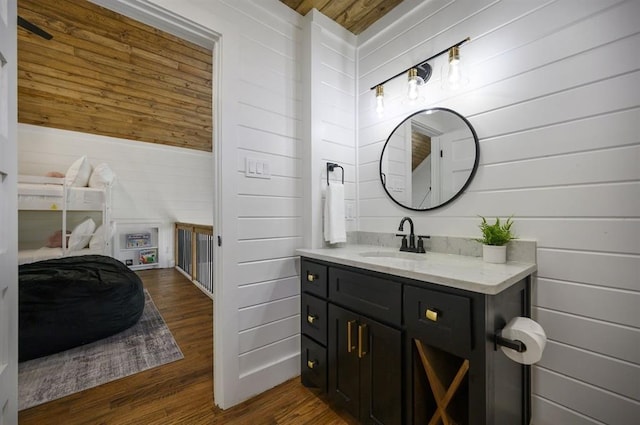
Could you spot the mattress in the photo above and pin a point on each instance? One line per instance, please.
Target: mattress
(39, 196)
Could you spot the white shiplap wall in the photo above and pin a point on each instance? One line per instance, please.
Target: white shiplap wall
(555, 104)
(329, 78)
(154, 183)
(259, 115)
(554, 96)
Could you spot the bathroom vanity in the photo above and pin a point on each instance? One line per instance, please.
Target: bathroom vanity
(403, 338)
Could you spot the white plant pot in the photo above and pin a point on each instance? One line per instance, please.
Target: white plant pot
(494, 254)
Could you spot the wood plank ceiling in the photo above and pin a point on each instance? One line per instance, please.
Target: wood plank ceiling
(106, 74)
(354, 15)
(103, 73)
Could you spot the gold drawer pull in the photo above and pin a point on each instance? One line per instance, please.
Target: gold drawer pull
(311, 364)
(311, 277)
(432, 315)
(311, 318)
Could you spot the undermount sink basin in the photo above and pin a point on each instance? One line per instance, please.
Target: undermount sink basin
(391, 254)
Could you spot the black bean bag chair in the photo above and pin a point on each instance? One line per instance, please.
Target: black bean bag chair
(67, 302)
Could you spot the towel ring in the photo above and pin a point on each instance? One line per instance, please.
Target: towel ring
(330, 167)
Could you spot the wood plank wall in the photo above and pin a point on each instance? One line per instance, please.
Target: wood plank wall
(106, 74)
(420, 148)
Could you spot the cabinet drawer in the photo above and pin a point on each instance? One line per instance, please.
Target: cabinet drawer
(375, 297)
(313, 313)
(313, 369)
(443, 320)
(313, 278)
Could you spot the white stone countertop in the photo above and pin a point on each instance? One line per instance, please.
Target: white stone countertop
(455, 271)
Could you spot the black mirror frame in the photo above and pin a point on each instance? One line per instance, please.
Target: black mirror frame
(464, 186)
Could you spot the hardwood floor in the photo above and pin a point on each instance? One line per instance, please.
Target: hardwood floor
(182, 392)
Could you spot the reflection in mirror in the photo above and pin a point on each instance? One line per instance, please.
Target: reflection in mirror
(429, 159)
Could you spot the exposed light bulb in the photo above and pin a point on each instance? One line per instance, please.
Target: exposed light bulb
(412, 93)
(379, 100)
(455, 75)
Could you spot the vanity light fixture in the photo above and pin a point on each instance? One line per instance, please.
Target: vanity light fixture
(455, 75)
(419, 74)
(412, 92)
(454, 64)
(380, 100)
(416, 77)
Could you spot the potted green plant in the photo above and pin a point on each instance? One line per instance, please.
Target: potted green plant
(494, 240)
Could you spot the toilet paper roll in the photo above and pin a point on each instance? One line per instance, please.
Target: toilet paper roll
(531, 334)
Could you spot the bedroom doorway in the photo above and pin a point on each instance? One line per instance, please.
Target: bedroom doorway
(161, 19)
(148, 171)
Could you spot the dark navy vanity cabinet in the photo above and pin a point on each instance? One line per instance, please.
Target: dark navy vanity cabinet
(392, 350)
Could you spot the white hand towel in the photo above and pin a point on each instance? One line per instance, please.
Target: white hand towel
(334, 222)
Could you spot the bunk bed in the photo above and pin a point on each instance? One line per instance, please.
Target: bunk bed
(50, 207)
(71, 291)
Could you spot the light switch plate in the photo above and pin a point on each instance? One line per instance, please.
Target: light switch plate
(257, 168)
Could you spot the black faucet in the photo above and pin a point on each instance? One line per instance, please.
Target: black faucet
(412, 236)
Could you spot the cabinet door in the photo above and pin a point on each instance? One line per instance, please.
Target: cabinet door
(344, 379)
(365, 367)
(380, 373)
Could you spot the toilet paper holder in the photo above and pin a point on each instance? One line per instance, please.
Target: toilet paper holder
(514, 344)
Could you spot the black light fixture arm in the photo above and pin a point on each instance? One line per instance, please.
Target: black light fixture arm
(458, 44)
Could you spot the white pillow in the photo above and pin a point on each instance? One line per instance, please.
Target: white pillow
(101, 176)
(101, 236)
(78, 174)
(81, 235)
(97, 240)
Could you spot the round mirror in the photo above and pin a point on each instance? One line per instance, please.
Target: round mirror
(429, 159)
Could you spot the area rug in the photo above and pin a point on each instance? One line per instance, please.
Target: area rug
(143, 346)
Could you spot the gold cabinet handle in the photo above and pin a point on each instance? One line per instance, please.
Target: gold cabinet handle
(311, 318)
(350, 345)
(432, 315)
(362, 339)
(311, 364)
(311, 277)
